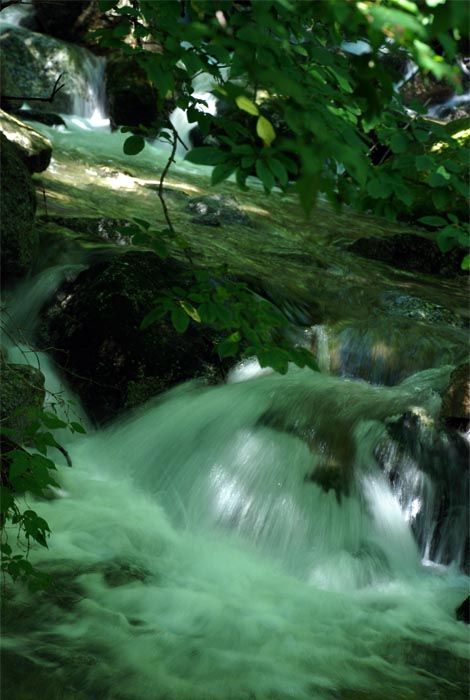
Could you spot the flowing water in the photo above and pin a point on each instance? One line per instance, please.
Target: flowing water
(298, 537)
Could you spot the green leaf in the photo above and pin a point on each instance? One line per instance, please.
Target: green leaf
(399, 142)
(424, 163)
(6, 500)
(439, 178)
(448, 238)
(141, 222)
(265, 130)
(154, 315)
(465, 264)
(433, 220)
(440, 198)
(51, 421)
(223, 171)
(77, 427)
(160, 248)
(205, 155)
(133, 145)
(191, 311)
(208, 312)
(264, 174)
(278, 170)
(229, 346)
(246, 105)
(179, 319)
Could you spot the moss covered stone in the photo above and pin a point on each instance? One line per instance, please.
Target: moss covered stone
(19, 240)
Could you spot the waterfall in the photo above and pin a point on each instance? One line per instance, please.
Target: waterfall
(273, 538)
(197, 554)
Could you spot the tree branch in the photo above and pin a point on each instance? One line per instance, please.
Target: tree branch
(28, 98)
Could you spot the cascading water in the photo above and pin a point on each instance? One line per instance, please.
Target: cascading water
(198, 552)
(275, 538)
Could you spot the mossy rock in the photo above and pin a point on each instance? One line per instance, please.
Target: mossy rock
(407, 251)
(31, 63)
(19, 239)
(132, 100)
(93, 326)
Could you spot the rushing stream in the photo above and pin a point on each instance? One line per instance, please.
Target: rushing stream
(273, 538)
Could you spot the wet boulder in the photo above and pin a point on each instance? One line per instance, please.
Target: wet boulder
(216, 210)
(407, 251)
(19, 239)
(455, 409)
(131, 98)
(35, 115)
(93, 326)
(31, 64)
(64, 19)
(35, 149)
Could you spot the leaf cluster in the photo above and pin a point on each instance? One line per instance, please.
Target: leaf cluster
(27, 471)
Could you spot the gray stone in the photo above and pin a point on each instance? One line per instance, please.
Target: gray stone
(217, 210)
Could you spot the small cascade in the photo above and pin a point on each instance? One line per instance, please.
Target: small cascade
(386, 351)
(91, 102)
(203, 86)
(20, 14)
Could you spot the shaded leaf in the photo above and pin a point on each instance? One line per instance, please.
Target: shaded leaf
(133, 145)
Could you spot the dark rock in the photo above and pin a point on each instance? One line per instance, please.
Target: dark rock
(65, 19)
(19, 240)
(113, 230)
(131, 99)
(217, 210)
(35, 149)
(455, 409)
(35, 115)
(463, 611)
(94, 327)
(407, 251)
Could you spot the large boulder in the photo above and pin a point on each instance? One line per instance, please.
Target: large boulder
(31, 63)
(131, 98)
(36, 149)
(93, 327)
(18, 237)
(64, 19)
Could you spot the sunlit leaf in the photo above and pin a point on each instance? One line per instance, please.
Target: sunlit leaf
(265, 130)
(191, 311)
(246, 105)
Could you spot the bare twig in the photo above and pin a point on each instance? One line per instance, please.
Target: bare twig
(28, 98)
(161, 197)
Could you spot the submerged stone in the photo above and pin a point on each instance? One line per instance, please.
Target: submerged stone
(217, 210)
